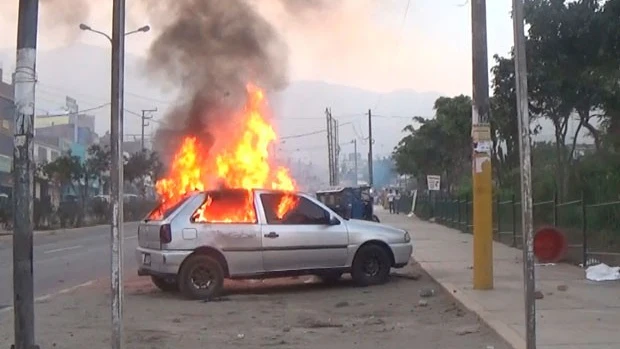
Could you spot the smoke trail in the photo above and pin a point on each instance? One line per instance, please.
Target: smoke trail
(63, 16)
(211, 49)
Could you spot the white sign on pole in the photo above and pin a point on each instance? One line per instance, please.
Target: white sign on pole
(433, 182)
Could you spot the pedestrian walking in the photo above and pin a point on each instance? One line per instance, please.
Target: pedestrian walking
(390, 197)
(397, 202)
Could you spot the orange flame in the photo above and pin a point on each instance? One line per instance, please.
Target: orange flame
(242, 164)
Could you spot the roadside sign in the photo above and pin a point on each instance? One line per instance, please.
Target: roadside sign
(433, 182)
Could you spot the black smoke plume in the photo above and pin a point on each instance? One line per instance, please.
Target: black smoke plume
(210, 50)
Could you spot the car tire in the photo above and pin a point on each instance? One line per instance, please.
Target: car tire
(371, 265)
(375, 218)
(330, 277)
(209, 273)
(165, 285)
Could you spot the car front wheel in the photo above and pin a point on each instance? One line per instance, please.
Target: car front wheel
(201, 277)
(371, 265)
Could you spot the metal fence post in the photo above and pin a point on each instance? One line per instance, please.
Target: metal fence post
(514, 220)
(455, 208)
(458, 211)
(467, 216)
(498, 215)
(430, 204)
(584, 229)
(555, 208)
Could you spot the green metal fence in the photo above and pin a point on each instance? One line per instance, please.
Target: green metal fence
(592, 229)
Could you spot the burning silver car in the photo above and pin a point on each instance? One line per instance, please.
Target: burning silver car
(208, 236)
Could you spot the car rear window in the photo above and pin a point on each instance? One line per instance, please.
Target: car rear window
(165, 209)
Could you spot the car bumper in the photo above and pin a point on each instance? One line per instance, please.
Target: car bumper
(402, 254)
(158, 262)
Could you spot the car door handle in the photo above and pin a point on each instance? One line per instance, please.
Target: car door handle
(272, 235)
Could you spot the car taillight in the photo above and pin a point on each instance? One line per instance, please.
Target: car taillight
(165, 234)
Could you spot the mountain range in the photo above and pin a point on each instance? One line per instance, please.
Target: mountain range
(83, 72)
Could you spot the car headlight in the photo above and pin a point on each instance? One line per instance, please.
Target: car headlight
(407, 237)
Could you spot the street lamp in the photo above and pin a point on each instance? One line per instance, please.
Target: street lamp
(85, 27)
(117, 41)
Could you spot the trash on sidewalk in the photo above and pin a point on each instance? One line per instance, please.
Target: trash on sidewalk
(409, 276)
(602, 272)
(426, 292)
(461, 331)
(539, 295)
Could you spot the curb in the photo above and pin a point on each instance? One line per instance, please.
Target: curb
(511, 336)
(52, 295)
(62, 231)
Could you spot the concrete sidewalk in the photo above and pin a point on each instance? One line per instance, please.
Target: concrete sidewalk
(574, 313)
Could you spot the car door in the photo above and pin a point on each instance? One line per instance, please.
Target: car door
(302, 238)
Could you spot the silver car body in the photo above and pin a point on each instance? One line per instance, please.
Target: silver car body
(262, 249)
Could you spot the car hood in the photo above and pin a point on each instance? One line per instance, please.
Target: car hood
(381, 230)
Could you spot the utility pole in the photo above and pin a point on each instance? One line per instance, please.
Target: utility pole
(526, 174)
(144, 124)
(116, 172)
(330, 148)
(355, 159)
(336, 154)
(370, 142)
(23, 173)
(481, 136)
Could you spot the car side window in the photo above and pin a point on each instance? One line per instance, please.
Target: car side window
(226, 206)
(303, 212)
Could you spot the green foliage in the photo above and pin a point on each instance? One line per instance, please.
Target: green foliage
(573, 65)
(440, 145)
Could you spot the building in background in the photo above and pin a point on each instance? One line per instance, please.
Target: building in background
(68, 130)
(130, 146)
(7, 106)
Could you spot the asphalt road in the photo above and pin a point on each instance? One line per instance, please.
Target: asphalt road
(66, 258)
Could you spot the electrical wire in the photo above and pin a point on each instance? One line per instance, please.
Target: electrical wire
(300, 135)
(399, 43)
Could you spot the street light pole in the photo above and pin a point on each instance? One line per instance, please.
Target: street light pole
(116, 171)
(85, 27)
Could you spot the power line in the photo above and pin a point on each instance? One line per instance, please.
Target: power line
(400, 38)
(64, 89)
(300, 135)
(81, 111)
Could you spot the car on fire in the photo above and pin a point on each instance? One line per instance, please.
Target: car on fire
(184, 249)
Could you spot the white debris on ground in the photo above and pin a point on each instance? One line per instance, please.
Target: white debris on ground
(602, 272)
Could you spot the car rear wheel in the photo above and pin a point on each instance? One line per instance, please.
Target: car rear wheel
(371, 265)
(201, 277)
(164, 284)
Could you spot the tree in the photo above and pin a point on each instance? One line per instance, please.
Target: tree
(66, 171)
(441, 145)
(142, 167)
(98, 163)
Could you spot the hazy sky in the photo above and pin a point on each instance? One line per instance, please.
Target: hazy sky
(364, 45)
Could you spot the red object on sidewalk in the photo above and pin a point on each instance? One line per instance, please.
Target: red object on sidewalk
(550, 245)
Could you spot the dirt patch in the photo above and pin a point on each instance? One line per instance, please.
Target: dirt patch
(289, 313)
